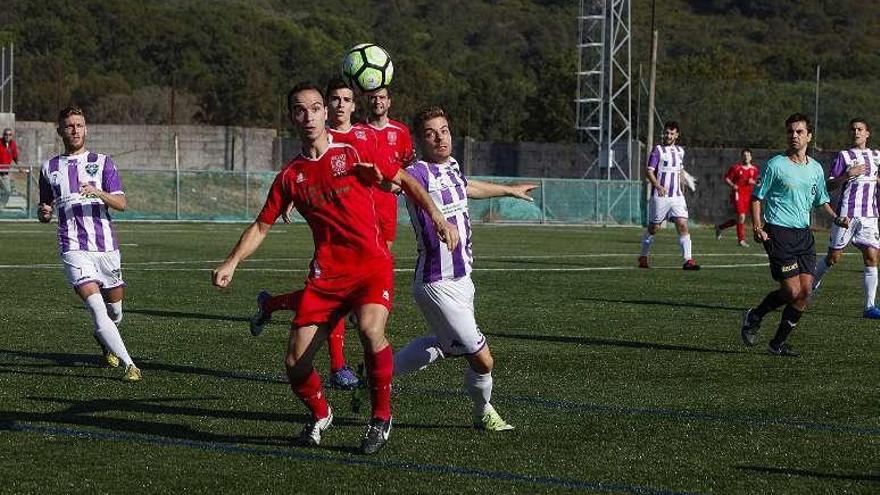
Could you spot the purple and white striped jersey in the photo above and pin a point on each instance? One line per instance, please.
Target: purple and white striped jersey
(84, 224)
(858, 197)
(448, 189)
(667, 162)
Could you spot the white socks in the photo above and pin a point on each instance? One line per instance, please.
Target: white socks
(870, 283)
(105, 329)
(114, 311)
(479, 388)
(684, 242)
(417, 355)
(647, 240)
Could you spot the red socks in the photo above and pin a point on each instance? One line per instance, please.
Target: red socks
(286, 302)
(311, 392)
(335, 342)
(380, 368)
(741, 231)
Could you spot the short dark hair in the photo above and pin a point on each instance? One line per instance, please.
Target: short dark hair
(671, 124)
(68, 111)
(334, 84)
(428, 113)
(745, 150)
(798, 117)
(304, 86)
(862, 121)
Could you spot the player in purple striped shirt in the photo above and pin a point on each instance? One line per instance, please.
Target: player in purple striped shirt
(858, 171)
(442, 287)
(83, 186)
(665, 171)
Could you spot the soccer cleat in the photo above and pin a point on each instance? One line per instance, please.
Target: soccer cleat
(643, 262)
(871, 313)
(261, 317)
(343, 379)
(311, 433)
(743, 243)
(110, 360)
(491, 421)
(750, 327)
(376, 435)
(717, 233)
(690, 265)
(782, 349)
(132, 373)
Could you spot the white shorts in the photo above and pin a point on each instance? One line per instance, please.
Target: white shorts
(862, 232)
(82, 267)
(666, 208)
(448, 305)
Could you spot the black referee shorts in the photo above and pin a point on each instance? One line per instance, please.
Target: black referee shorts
(791, 251)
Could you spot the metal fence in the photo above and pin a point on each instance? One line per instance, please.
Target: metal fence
(218, 195)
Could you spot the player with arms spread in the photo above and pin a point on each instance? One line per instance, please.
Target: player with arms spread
(442, 286)
(83, 186)
(351, 270)
(857, 170)
(741, 177)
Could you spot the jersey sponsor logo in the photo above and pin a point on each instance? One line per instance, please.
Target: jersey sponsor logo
(300, 177)
(92, 169)
(360, 134)
(337, 165)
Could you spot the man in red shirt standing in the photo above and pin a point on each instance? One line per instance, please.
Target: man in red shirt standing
(8, 155)
(741, 177)
(352, 269)
(396, 136)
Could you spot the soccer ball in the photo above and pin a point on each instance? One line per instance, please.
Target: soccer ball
(367, 67)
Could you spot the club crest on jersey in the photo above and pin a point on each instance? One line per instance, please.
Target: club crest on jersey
(392, 137)
(92, 169)
(337, 165)
(360, 134)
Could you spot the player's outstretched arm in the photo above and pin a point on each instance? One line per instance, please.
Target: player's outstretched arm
(411, 187)
(249, 241)
(478, 189)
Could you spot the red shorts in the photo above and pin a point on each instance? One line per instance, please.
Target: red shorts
(326, 299)
(386, 205)
(741, 202)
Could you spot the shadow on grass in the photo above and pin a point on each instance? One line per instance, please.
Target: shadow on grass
(811, 474)
(182, 314)
(632, 344)
(675, 304)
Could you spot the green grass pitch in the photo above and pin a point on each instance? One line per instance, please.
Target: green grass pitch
(618, 380)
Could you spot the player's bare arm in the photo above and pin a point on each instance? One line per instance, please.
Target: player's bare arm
(249, 241)
(838, 220)
(478, 189)
(652, 178)
(411, 187)
(115, 201)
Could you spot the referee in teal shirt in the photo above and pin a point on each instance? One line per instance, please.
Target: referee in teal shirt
(791, 185)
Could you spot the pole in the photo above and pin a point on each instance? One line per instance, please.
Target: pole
(176, 178)
(816, 110)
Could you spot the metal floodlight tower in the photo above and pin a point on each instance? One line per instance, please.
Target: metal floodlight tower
(604, 89)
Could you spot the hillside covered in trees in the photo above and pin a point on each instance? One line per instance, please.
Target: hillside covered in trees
(729, 70)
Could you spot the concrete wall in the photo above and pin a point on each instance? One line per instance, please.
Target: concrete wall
(152, 147)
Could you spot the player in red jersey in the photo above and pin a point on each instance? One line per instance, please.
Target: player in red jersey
(341, 106)
(741, 177)
(396, 136)
(351, 270)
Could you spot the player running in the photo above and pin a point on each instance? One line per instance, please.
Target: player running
(857, 170)
(442, 286)
(351, 270)
(791, 185)
(83, 186)
(741, 177)
(664, 172)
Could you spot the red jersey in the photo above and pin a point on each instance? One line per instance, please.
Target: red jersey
(8, 154)
(338, 205)
(396, 136)
(741, 174)
(365, 140)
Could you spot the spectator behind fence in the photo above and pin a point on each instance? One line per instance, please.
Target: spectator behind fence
(8, 155)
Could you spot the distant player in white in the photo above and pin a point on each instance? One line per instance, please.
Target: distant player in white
(442, 286)
(82, 186)
(857, 170)
(664, 172)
